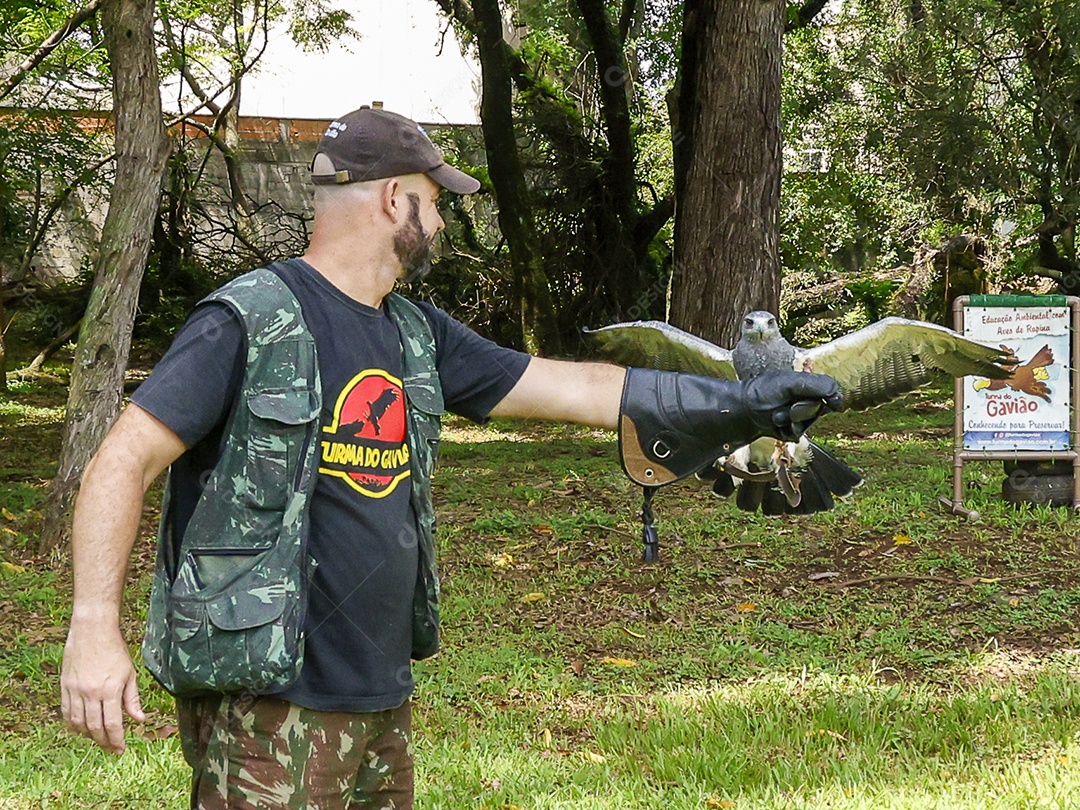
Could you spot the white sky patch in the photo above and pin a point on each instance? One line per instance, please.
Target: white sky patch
(395, 61)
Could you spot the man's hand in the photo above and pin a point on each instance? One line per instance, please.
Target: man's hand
(97, 685)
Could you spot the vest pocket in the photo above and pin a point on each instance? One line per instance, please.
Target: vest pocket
(281, 431)
(242, 631)
(424, 394)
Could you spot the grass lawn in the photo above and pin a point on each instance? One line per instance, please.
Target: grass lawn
(882, 655)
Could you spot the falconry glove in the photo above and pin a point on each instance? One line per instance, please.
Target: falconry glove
(671, 424)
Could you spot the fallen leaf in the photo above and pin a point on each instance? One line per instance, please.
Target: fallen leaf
(6, 530)
(7, 515)
(546, 738)
(618, 662)
(1014, 601)
(486, 679)
(543, 529)
(12, 567)
(746, 607)
(162, 732)
(989, 580)
(533, 597)
(901, 540)
(592, 756)
(577, 666)
(823, 575)
(502, 560)
(1064, 760)
(630, 632)
(719, 804)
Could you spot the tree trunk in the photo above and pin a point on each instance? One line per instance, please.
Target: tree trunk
(621, 254)
(727, 166)
(3, 346)
(539, 326)
(105, 338)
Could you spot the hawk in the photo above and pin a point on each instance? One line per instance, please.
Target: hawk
(872, 366)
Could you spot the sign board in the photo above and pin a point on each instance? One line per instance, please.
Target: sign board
(1031, 410)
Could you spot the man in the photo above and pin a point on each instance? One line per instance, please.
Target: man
(298, 409)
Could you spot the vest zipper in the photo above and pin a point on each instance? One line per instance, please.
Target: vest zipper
(302, 465)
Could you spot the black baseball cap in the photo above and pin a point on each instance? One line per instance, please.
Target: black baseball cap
(370, 144)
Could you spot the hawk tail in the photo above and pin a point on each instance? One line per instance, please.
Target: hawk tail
(822, 480)
(825, 477)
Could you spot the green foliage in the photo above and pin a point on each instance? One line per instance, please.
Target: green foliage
(72, 74)
(42, 155)
(952, 115)
(598, 268)
(315, 26)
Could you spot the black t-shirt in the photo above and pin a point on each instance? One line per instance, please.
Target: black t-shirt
(359, 624)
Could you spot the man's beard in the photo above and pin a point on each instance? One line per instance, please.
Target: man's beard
(412, 244)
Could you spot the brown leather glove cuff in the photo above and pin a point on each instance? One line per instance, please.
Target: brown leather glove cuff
(671, 425)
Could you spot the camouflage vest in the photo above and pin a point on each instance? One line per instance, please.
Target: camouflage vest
(227, 606)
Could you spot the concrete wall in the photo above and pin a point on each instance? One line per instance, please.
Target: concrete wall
(275, 154)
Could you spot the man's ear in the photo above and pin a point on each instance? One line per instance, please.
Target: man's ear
(389, 199)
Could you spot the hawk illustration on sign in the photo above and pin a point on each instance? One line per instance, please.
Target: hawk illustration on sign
(1028, 378)
(365, 444)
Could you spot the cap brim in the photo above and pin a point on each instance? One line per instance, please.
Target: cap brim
(453, 179)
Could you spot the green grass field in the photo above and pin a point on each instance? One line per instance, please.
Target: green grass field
(883, 655)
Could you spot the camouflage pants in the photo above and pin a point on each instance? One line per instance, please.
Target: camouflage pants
(263, 753)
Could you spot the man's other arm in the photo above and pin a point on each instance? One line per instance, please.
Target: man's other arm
(97, 681)
(565, 391)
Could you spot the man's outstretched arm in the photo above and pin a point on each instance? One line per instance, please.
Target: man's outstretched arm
(670, 424)
(566, 391)
(97, 680)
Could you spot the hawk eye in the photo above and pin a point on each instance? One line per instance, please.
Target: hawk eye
(772, 322)
(748, 322)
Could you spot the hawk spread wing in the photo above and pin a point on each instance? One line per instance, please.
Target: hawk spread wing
(872, 365)
(894, 356)
(654, 344)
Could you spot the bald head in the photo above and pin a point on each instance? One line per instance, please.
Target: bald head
(335, 199)
(347, 195)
